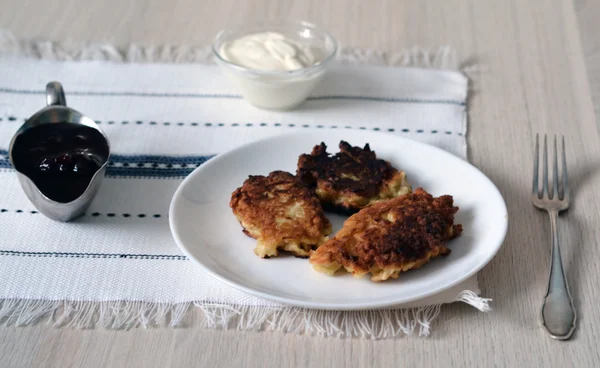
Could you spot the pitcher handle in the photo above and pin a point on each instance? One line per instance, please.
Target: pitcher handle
(55, 95)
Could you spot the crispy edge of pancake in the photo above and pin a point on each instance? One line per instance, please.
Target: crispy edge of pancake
(342, 192)
(375, 252)
(280, 213)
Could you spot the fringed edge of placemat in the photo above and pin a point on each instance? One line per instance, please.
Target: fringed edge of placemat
(442, 58)
(373, 324)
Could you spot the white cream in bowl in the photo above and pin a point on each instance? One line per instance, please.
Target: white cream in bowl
(275, 68)
(269, 51)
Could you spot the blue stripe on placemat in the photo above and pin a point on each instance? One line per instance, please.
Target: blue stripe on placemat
(160, 257)
(231, 96)
(142, 166)
(257, 125)
(161, 159)
(120, 172)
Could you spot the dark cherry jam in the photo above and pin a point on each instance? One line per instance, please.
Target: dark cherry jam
(60, 158)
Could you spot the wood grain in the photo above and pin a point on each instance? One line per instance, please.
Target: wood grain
(589, 29)
(532, 77)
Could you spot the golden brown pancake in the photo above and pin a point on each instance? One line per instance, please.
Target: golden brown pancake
(280, 213)
(390, 237)
(352, 178)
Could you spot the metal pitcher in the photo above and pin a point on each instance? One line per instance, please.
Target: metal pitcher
(56, 111)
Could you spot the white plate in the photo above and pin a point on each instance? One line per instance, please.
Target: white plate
(206, 230)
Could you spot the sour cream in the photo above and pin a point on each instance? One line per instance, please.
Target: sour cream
(269, 51)
(278, 66)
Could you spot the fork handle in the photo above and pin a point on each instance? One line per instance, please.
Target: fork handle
(558, 312)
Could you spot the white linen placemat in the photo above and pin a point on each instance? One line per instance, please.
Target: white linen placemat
(118, 266)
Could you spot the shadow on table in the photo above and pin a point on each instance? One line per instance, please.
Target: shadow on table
(573, 224)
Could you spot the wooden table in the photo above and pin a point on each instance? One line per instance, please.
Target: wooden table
(539, 71)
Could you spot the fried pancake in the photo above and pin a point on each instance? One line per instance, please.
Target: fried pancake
(352, 178)
(390, 237)
(281, 213)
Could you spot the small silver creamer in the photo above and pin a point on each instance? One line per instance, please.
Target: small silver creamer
(45, 122)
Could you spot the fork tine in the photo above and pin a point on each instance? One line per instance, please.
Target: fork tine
(545, 169)
(555, 172)
(565, 181)
(536, 161)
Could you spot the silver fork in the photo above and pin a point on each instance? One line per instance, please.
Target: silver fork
(558, 311)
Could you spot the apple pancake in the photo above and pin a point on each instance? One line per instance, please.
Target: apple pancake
(280, 213)
(352, 178)
(390, 237)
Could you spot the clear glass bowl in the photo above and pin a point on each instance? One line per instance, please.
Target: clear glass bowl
(278, 90)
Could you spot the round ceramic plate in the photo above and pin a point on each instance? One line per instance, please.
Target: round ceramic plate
(206, 230)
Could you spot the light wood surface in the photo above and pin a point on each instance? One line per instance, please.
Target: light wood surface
(532, 78)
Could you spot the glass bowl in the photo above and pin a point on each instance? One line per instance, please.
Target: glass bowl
(278, 90)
